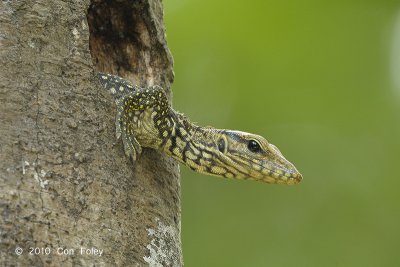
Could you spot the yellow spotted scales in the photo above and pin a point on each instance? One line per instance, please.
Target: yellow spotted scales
(145, 119)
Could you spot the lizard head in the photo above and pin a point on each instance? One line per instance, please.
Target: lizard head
(250, 156)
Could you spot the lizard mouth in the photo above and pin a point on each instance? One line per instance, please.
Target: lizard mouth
(277, 176)
(272, 172)
(276, 173)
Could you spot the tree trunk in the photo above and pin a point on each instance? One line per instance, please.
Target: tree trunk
(66, 187)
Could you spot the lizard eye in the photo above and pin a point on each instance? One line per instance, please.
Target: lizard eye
(254, 146)
(221, 145)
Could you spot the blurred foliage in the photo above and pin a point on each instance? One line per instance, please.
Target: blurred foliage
(313, 77)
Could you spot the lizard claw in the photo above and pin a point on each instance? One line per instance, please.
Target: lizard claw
(132, 147)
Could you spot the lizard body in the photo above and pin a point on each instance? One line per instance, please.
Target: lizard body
(145, 119)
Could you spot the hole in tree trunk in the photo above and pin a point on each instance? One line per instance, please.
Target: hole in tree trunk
(119, 38)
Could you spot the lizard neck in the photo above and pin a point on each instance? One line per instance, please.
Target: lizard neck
(190, 144)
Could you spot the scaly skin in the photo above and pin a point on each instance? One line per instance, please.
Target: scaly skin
(145, 119)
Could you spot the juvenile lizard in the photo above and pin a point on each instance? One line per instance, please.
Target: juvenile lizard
(145, 119)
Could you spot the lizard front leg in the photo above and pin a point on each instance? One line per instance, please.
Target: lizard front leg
(124, 129)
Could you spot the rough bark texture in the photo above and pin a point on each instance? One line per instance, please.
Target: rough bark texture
(64, 180)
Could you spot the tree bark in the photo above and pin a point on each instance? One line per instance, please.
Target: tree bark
(65, 183)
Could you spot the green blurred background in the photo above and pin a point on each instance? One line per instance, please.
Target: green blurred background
(317, 79)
